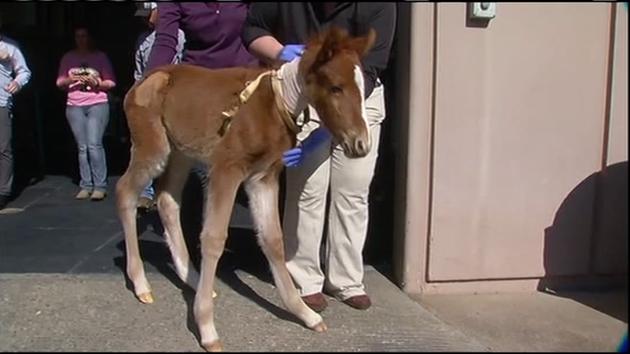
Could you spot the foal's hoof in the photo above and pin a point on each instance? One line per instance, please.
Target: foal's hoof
(146, 298)
(214, 294)
(215, 346)
(320, 327)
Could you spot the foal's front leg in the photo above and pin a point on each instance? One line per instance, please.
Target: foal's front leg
(263, 197)
(222, 187)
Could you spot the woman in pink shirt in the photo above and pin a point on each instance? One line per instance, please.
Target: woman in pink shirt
(86, 74)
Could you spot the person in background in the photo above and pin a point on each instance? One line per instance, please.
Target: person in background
(148, 11)
(86, 74)
(14, 75)
(277, 32)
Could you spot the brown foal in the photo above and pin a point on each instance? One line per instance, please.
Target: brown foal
(238, 121)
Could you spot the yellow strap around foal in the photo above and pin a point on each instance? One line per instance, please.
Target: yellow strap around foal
(249, 89)
(246, 94)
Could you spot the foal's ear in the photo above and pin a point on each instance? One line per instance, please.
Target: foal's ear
(331, 41)
(362, 45)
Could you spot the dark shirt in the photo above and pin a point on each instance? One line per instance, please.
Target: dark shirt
(295, 22)
(213, 34)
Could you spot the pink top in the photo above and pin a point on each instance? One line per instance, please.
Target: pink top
(98, 61)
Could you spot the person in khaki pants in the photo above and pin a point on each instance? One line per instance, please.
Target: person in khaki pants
(326, 169)
(277, 32)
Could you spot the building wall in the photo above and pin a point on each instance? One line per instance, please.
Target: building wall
(516, 146)
(611, 247)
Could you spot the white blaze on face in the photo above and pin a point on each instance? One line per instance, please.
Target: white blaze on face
(358, 78)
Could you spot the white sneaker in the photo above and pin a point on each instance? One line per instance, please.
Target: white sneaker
(98, 195)
(83, 194)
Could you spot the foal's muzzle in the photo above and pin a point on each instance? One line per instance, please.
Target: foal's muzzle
(357, 146)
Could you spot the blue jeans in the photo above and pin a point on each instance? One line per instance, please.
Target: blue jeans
(88, 124)
(148, 192)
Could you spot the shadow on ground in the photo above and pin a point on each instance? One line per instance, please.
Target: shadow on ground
(586, 247)
(241, 253)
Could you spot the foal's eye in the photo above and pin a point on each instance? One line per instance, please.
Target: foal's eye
(336, 89)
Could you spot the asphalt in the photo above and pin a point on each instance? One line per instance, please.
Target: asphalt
(63, 288)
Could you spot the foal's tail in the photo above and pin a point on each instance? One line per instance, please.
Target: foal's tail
(144, 102)
(150, 149)
(150, 146)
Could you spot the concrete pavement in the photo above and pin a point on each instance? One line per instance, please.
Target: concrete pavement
(95, 312)
(537, 322)
(62, 288)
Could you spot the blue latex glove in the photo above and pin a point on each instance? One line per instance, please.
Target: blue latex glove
(291, 51)
(294, 157)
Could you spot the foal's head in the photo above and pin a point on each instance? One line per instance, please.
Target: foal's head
(331, 70)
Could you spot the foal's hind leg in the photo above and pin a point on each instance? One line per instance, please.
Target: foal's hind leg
(169, 198)
(139, 173)
(263, 197)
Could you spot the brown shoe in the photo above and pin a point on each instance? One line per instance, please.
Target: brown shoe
(359, 302)
(317, 302)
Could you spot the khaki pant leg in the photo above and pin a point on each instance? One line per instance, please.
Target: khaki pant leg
(304, 215)
(350, 181)
(305, 206)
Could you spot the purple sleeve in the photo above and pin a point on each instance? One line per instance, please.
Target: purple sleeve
(166, 35)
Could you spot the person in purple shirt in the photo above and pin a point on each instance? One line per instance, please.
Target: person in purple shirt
(212, 31)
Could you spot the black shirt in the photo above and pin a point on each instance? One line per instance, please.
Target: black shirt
(295, 23)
